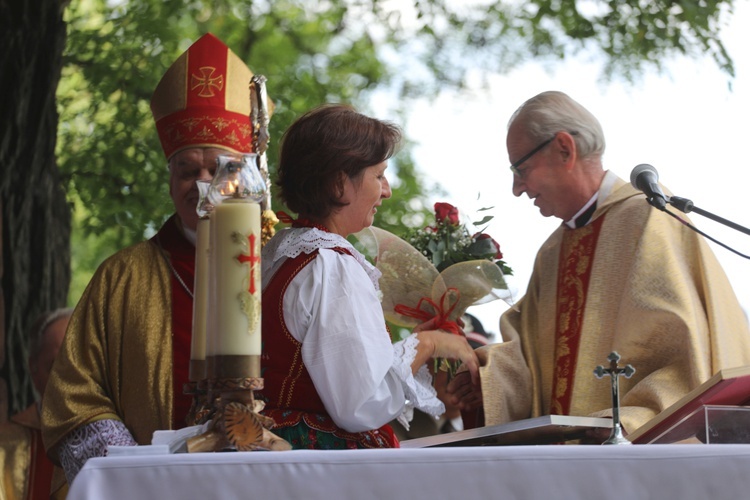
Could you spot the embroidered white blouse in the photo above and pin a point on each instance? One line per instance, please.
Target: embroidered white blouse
(332, 308)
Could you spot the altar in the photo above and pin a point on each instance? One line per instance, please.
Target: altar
(683, 471)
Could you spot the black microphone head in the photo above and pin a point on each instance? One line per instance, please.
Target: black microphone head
(644, 170)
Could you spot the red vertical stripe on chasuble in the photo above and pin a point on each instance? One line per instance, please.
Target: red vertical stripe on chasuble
(576, 262)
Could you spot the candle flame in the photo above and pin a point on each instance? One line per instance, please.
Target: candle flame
(230, 187)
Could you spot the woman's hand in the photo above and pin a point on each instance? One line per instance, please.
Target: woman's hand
(438, 344)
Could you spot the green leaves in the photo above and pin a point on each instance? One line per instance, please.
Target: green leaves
(311, 53)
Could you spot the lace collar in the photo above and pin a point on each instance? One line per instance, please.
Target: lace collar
(293, 241)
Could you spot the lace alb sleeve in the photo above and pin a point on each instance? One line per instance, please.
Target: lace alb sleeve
(91, 440)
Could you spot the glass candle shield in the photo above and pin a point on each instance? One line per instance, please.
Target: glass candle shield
(236, 176)
(204, 206)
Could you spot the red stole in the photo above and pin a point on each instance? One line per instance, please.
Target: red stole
(573, 276)
(40, 469)
(288, 390)
(181, 254)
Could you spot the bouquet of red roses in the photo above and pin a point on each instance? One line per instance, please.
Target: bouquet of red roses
(436, 272)
(448, 242)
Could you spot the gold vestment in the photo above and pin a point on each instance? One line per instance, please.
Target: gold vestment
(656, 294)
(118, 365)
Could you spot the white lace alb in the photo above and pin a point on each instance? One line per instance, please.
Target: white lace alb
(89, 441)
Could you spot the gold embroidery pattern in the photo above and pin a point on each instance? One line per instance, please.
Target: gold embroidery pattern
(221, 124)
(205, 134)
(209, 130)
(206, 82)
(245, 130)
(191, 123)
(576, 262)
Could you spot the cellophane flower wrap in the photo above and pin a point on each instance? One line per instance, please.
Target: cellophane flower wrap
(436, 272)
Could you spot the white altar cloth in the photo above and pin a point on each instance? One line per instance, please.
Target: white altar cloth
(682, 471)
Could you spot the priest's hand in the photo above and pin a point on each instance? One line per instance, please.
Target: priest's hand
(464, 391)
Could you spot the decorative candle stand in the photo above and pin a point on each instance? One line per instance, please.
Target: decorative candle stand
(235, 421)
(200, 409)
(233, 317)
(197, 387)
(617, 436)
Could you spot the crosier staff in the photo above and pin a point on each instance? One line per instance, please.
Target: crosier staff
(260, 117)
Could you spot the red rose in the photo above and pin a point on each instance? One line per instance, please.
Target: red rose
(445, 212)
(484, 236)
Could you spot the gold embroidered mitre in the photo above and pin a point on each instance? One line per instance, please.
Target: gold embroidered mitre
(203, 100)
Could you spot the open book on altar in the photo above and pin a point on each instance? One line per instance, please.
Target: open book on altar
(727, 389)
(549, 429)
(162, 443)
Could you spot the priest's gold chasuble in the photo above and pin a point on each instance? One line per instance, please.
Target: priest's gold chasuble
(633, 280)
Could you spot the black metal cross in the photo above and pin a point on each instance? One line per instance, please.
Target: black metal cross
(614, 372)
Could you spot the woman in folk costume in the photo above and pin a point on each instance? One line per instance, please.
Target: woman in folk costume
(332, 377)
(120, 373)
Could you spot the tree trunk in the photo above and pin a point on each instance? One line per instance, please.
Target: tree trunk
(36, 218)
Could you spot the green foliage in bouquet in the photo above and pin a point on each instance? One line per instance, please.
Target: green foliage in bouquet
(448, 242)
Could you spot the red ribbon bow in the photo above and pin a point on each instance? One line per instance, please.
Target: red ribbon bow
(441, 311)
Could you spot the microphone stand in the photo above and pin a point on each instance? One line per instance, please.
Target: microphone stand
(687, 206)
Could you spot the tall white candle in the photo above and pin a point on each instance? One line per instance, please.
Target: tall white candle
(200, 302)
(235, 280)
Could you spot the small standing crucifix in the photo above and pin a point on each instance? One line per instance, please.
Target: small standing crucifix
(617, 436)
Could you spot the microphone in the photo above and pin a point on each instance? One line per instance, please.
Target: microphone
(645, 178)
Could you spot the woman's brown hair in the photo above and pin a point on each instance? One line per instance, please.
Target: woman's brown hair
(321, 145)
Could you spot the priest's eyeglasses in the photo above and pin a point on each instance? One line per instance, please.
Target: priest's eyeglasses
(515, 165)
